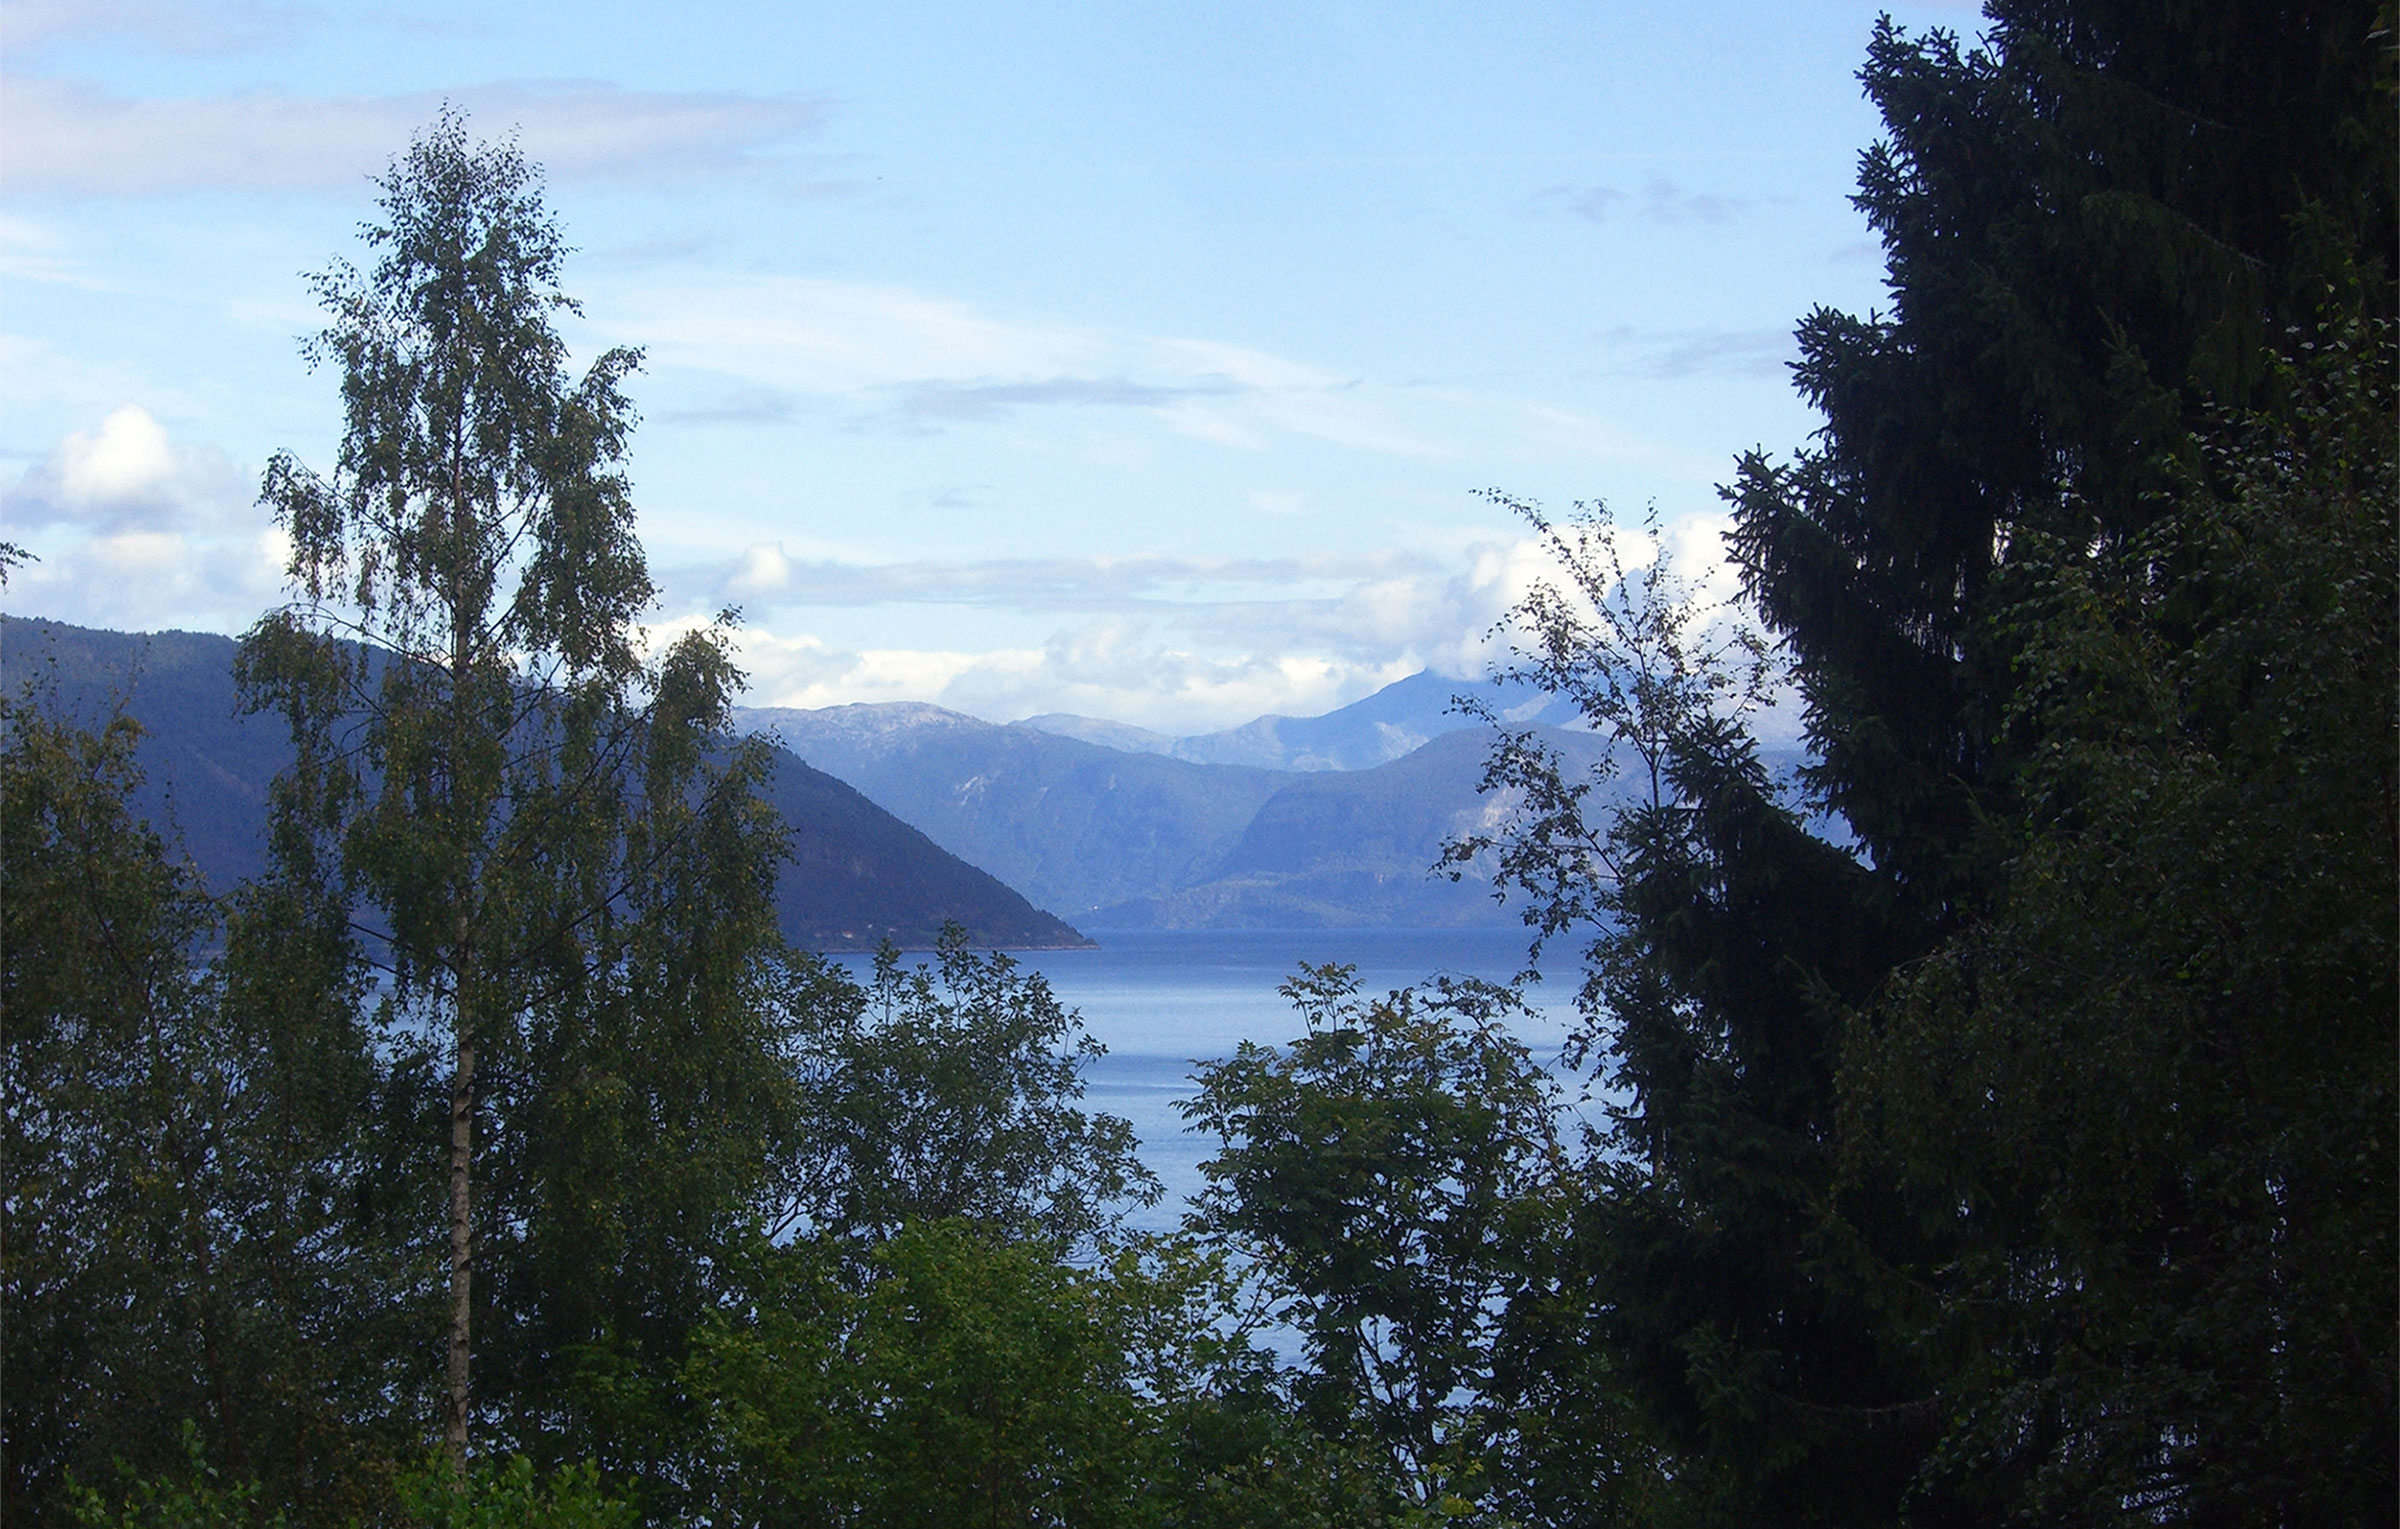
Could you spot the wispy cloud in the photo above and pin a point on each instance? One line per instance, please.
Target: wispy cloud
(944, 400)
(34, 252)
(174, 26)
(811, 335)
(1060, 583)
(1658, 201)
(908, 360)
(72, 137)
(742, 406)
(1670, 354)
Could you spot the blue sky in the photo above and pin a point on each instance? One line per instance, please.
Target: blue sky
(1139, 361)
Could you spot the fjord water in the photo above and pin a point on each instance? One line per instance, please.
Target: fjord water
(1163, 1000)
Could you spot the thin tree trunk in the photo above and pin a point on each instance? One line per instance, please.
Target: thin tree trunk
(462, 1247)
(462, 1009)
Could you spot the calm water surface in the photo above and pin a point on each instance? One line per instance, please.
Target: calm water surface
(1162, 1001)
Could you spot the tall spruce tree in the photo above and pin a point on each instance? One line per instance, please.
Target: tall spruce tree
(2148, 1094)
(551, 845)
(2112, 231)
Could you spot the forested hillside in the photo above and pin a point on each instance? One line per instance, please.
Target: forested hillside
(2003, 1118)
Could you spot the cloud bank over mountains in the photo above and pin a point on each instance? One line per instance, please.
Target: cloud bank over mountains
(1174, 644)
(1158, 642)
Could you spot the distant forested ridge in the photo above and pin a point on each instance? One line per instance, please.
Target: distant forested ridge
(856, 876)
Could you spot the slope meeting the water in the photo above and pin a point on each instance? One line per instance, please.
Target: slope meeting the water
(1071, 824)
(1353, 848)
(857, 875)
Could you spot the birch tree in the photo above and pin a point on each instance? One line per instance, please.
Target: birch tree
(499, 784)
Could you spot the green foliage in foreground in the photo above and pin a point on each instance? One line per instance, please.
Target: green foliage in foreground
(2003, 1115)
(948, 1092)
(1384, 1175)
(501, 1494)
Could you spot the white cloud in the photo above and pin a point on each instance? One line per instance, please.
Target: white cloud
(763, 570)
(135, 530)
(121, 476)
(73, 137)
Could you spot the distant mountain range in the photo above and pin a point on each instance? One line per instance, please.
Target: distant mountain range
(1316, 822)
(1395, 721)
(907, 815)
(857, 877)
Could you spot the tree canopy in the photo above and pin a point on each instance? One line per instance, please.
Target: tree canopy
(1981, 1158)
(1998, 1117)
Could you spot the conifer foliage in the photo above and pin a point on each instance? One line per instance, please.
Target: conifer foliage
(2026, 1152)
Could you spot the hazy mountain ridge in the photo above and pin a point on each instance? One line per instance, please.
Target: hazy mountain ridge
(1348, 848)
(1072, 824)
(1377, 729)
(898, 805)
(1135, 837)
(857, 875)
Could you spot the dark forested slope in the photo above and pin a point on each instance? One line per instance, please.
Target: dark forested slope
(857, 874)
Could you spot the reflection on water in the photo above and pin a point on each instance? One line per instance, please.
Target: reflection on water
(1159, 1000)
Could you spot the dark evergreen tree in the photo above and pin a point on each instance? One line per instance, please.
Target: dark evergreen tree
(2149, 1095)
(2096, 230)
(2106, 229)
